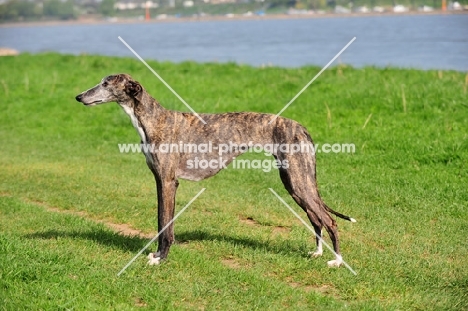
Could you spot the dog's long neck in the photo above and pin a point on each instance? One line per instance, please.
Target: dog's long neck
(140, 109)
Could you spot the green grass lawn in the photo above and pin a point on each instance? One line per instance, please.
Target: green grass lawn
(238, 247)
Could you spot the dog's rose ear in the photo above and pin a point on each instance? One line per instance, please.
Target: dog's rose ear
(119, 78)
(134, 89)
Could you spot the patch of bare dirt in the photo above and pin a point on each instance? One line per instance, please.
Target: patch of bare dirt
(128, 230)
(279, 230)
(249, 221)
(207, 212)
(139, 302)
(275, 230)
(123, 229)
(321, 289)
(57, 210)
(231, 263)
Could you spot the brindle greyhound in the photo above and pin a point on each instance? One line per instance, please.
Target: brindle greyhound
(157, 125)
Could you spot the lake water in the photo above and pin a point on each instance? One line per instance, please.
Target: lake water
(426, 42)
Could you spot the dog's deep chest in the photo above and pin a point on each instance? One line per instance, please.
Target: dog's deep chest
(141, 132)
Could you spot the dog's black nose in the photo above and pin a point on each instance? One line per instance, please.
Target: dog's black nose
(78, 97)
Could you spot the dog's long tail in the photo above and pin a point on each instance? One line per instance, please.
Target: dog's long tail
(339, 214)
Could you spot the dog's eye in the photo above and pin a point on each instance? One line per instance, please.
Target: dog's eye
(104, 84)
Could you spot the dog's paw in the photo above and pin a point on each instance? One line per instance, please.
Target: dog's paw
(316, 254)
(335, 263)
(153, 260)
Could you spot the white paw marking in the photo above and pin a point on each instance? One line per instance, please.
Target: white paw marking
(335, 263)
(318, 251)
(316, 254)
(153, 260)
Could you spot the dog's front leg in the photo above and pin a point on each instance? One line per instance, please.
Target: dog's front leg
(166, 189)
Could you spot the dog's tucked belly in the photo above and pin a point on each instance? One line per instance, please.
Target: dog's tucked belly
(199, 166)
(196, 175)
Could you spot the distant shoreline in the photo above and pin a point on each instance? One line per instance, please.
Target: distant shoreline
(170, 19)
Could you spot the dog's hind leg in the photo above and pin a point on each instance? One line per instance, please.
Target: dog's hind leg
(317, 229)
(166, 205)
(331, 227)
(318, 238)
(304, 191)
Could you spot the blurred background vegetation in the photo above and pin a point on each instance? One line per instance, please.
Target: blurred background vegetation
(36, 10)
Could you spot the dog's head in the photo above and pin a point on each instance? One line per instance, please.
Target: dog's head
(116, 88)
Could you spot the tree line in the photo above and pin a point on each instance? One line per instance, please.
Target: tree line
(14, 10)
